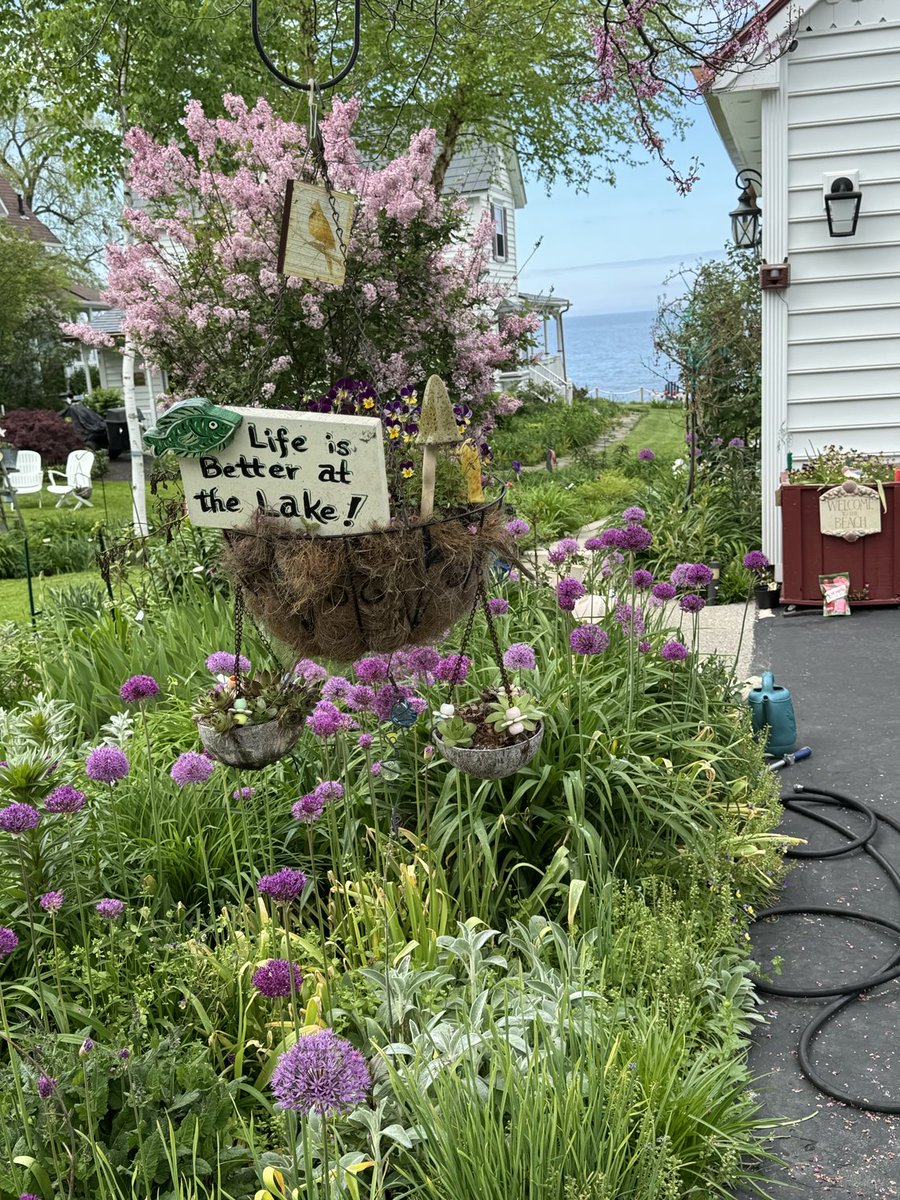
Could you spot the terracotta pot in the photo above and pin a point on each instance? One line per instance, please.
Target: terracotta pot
(251, 746)
(495, 762)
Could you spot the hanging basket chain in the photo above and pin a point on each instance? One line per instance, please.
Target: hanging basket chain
(481, 602)
(238, 639)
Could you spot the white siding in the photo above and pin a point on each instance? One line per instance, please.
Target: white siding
(504, 272)
(111, 376)
(843, 305)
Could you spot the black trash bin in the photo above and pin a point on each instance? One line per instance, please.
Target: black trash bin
(117, 432)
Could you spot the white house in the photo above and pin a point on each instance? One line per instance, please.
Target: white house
(823, 119)
(489, 176)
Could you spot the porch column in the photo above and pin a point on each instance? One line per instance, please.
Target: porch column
(561, 342)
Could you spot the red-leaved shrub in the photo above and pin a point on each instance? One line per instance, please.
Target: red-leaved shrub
(46, 432)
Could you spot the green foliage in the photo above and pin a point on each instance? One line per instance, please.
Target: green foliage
(539, 425)
(102, 399)
(63, 545)
(830, 463)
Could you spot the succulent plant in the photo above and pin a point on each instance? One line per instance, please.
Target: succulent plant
(254, 700)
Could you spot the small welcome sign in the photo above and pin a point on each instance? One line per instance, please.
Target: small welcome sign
(324, 473)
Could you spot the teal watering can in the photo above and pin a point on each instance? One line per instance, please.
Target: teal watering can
(772, 706)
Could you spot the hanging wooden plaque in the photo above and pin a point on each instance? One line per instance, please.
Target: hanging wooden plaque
(311, 239)
(850, 511)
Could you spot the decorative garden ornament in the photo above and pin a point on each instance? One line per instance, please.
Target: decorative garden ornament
(437, 430)
(193, 427)
(314, 232)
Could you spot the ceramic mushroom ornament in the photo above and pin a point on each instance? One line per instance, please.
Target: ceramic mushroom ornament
(437, 430)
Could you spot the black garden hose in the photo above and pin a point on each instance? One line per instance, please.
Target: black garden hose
(846, 994)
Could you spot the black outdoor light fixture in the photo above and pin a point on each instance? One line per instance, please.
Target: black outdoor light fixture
(842, 204)
(746, 232)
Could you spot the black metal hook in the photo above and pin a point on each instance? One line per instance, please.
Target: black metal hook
(286, 79)
(747, 177)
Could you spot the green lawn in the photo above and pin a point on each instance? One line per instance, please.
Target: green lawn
(662, 430)
(14, 592)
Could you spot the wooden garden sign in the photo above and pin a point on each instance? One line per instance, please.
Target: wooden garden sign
(850, 511)
(312, 243)
(323, 473)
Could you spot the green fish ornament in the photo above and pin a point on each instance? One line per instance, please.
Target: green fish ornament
(193, 427)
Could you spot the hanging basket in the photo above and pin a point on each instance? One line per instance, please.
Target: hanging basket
(493, 762)
(251, 746)
(365, 593)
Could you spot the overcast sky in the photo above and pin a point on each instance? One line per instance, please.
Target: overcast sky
(610, 250)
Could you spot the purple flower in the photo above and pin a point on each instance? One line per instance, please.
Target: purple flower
(310, 671)
(635, 514)
(274, 979)
(361, 698)
(65, 799)
(737, 443)
(8, 941)
(716, 443)
(329, 789)
(594, 543)
(497, 606)
(375, 768)
(222, 662)
(692, 603)
(635, 538)
(568, 591)
(124, 1054)
(516, 466)
(326, 719)
(630, 619)
(679, 574)
(86, 1047)
(109, 910)
(284, 885)
(335, 688)
(308, 808)
(517, 527)
(372, 670)
(664, 591)
(588, 639)
(191, 767)
(755, 560)
(642, 579)
(106, 764)
(519, 657)
(453, 667)
(321, 1073)
(139, 688)
(674, 651)
(643, 647)
(610, 539)
(568, 546)
(243, 793)
(18, 818)
(52, 902)
(422, 660)
(646, 455)
(28, 1196)
(46, 1086)
(364, 741)
(555, 556)
(698, 575)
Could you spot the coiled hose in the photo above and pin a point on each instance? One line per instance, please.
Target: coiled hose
(846, 994)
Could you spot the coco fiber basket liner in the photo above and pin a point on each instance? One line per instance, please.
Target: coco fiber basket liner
(343, 597)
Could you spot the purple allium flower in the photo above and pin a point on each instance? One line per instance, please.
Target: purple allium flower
(644, 647)
(679, 574)
(422, 660)
(284, 885)
(109, 910)
(52, 902)
(8, 941)
(139, 688)
(46, 1086)
(364, 741)
(692, 603)
(755, 560)
(646, 455)
(674, 651)
(517, 527)
(568, 591)
(386, 697)
(308, 808)
(310, 671)
(588, 639)
(519, 657)
(516, 466)
(634, 514)
(65, 799)
(321, 1073)
(243, 793)
(191, 767)
(630, 619)
(106, 764)
(610, 539)
(716, 443)
(737, 444)
(664, 591)
(635, 538)
(274, 978)
(594, 543)
(642, 579)
(497, 606)
(568, 546)
(326, 719)
(372, 670)
(222, 662)
(428, 753)
(698, 575)
(28, 1196)
(555, 556)
(86, 1047)
(360, 698)
(18, 818)
(454, 666)
(375, 768)
(329, 789)
(335, 688)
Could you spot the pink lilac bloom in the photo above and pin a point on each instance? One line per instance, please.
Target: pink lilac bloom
(568, 591)
(222, 662)
(664, 591)
(273, 979)
(321, 1073)
(646, 455)
(326, 719)
(109, 910)
(138, 689)
(310, 671)
(674, 651)
(519, 657)
(106, 764)
(46, 1086)
(308, 808)
(644, 647)
(8, 941)
(191, 767)
(52, 902)
(243, 793)
(335, 688)
(375, 768)
(18, 818)
(64, 799)
(360, 698)
(588, 639)
(634, 514)
(517, 527)
(755, 560)
(691, 603)
(284, 885)
(453, 667)
(497, 606)
(371, 670)
(364, 741)
(642, 579)
(635, 538)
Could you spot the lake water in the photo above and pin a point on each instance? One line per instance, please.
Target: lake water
(613, 352)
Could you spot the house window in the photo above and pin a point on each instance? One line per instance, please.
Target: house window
(501, 245)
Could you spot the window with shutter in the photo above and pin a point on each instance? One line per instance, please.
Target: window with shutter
(498, 214)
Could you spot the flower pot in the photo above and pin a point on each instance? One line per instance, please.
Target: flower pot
(767, 597)
(251, 746)
(495, 762)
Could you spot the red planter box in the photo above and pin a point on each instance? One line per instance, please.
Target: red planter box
(874, 560)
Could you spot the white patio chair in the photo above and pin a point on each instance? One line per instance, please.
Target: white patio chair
(27, 478)
(78, 485)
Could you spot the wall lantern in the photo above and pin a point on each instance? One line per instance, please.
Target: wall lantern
(842, 203)
(746, 232)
